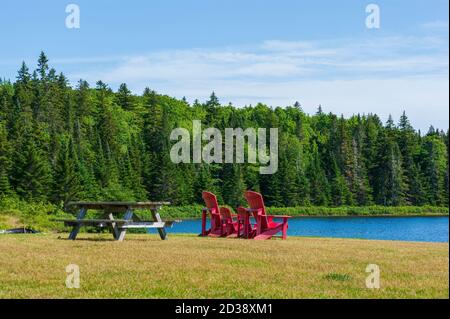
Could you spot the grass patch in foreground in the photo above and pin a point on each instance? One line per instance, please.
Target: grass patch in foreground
(143, 266)
(338, 277)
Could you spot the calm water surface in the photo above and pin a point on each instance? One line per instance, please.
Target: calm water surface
(425, 229)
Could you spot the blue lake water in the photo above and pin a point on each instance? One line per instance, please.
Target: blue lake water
(423, 229)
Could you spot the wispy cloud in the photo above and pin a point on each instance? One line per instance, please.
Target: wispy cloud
(385, 57)
(383, 75)
(436, 25)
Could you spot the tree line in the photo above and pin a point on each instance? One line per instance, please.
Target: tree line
(59, 143)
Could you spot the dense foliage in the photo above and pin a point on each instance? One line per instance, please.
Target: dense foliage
(59, 143)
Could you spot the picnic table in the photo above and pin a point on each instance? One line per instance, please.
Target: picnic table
(120, 226)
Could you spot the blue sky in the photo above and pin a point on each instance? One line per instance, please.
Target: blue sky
(248, 51)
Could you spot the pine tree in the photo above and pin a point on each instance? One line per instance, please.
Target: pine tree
(43, 67)
(272, 189)
(125, 98)
(349, 162)
(5, 162)
(339, 191)
(203, 182)
(409, 149)
(160, 171)
(319, 187)
(31, 173)
(233, 186)
(390, 123)
(390, 184)
(211, 107)
(66, 181)
(23, 75)
(290, 170)
(435, 165)
(213, 101)
(303, 189)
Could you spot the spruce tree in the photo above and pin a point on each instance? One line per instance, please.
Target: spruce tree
(66, 177)
(435, 165)
(31, 174)
(319, 187)
(409, 149)
(233, 186)
(390, 185)
(203, 182)
(125, 98)
(339, 191)
(43, 67)
(5, 161)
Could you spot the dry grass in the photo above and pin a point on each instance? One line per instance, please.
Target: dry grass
(33, 266)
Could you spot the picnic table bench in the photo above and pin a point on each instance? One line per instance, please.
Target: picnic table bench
(119, 226)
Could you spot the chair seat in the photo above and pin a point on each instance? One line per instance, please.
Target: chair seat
(266, 227)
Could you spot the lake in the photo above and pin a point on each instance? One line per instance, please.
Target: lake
(422, 229)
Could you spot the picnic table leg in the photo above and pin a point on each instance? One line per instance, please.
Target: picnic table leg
(76, 228)
(122, 231)
(157, 218)
(114, 227)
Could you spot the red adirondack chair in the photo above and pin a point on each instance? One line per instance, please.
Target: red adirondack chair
(222, 223)
(244, 226)
(266, 228)
(229, 225)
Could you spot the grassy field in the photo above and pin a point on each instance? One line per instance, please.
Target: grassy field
(143, 266)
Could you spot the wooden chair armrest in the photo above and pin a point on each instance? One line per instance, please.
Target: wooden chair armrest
(250, 210)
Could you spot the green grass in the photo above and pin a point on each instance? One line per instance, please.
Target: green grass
(185, 266)
(338, 277)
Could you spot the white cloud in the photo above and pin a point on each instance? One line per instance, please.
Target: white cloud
(378, 75)
(425, 99)
(276, 45)
(436, 25)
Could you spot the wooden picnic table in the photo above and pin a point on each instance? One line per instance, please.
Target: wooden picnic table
(119, 226)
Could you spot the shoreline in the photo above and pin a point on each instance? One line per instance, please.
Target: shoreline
(15, 213)
(194, 211)
(344, 216)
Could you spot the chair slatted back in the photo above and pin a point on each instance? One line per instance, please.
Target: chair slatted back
(213, 207)
(256, 201)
